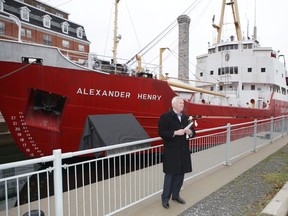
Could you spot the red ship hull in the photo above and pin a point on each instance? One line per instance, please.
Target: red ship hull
(69, 95)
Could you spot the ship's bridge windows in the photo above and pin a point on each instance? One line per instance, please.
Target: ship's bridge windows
(45, 109)
(212, 50)
(227, 70)
(247, 46)
(228, 47)
(276, 88)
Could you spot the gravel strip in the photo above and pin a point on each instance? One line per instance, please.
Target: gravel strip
(247, 194)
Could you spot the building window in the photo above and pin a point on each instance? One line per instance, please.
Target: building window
(65, 27)
(59, 15)
(263, 70)
(211, 88)
(2, 28)
(47, 21)
(211, 72)
(25, 13)
(1, 5)
(80, 32)
(249, 70)
(81, 47)
(252, 87)
(23, 32)
(47, 40)
(65, 43)
(28, 33)
(41, 7)
(201, 74)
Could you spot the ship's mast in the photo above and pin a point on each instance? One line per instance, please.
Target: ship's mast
(255, 28)
(116, 37)
(235, 12)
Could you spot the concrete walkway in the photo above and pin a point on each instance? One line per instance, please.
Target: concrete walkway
(202, 186)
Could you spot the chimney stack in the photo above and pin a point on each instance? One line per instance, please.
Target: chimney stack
(183, 47)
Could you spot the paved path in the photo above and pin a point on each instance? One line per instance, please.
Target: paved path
(202, 186)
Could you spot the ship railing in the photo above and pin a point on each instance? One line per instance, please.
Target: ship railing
(71, 184)
(103, 63)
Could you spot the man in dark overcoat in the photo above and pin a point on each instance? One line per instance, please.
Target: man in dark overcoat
(176, 155)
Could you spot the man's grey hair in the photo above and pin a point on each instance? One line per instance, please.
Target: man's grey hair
(174, 99)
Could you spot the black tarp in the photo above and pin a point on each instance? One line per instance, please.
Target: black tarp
(106, 130)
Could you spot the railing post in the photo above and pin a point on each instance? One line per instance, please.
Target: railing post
(271, 129)
(58, 187)
(254, 135)
(228, 143)
(283, 125)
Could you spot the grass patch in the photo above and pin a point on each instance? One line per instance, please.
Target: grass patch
(277, 180)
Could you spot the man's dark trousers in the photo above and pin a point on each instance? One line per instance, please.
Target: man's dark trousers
(172, 185)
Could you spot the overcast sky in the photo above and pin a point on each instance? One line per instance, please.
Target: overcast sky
(141, 21)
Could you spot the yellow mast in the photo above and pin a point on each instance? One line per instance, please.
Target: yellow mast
(116, 37)
(161, 63)
(235, 11)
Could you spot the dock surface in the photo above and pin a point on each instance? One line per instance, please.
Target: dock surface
(202, 186)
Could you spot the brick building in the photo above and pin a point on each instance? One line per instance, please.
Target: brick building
(33, 21)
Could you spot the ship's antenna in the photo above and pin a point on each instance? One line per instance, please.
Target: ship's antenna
(255, 28)
(247, 28)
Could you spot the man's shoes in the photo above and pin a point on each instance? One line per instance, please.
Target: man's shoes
(179, 200)
(166, 205)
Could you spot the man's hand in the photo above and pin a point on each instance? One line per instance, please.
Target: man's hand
(188, 131)
(180, 132)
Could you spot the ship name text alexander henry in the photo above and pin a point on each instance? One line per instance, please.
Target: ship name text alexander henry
(117, 94)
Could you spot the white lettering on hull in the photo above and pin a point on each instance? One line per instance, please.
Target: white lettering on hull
(116, 94)
(148, 97)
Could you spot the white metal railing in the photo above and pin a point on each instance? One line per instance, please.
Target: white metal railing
(106, 185)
